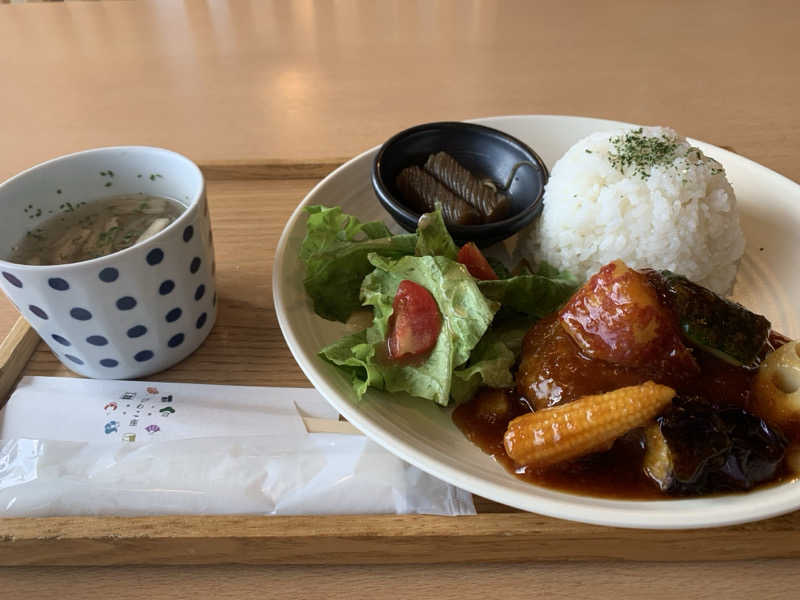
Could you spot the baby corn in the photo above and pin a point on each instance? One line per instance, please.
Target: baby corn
(564, 432)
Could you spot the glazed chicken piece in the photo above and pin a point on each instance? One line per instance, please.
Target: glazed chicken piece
(615, 328)
(618, 317)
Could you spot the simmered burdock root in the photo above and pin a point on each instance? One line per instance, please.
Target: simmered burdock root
(421, 191)
(569, 431)
(492, 205)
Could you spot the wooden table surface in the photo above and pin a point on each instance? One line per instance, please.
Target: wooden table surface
(303, 81)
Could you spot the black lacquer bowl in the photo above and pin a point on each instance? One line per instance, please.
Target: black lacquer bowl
(486, 152)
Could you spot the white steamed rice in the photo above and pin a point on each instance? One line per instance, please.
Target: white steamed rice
(680, 216)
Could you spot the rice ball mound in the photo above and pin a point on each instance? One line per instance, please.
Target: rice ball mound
(643, 195)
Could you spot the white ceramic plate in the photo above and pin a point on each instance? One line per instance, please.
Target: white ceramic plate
(423, 434)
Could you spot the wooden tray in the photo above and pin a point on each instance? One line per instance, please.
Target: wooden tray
(250, 203)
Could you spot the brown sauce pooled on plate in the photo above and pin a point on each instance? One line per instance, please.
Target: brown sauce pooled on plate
(607, 474)
(554, 367)
(616, 473)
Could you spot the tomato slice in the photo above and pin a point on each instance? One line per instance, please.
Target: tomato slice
(476, 262)
(415, 323)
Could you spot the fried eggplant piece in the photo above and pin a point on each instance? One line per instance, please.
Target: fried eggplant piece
(696, 449)
(713, 324)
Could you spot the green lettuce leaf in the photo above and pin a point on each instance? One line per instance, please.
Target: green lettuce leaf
(499, 268)
(491, 368)
(335, 252)
(328, 226)
(354, 356)
(492, 359)
(537, 295)
(433, 238)
(350, 264)
(547, 270)
(525, 298)
(510, 334)
(466, 315)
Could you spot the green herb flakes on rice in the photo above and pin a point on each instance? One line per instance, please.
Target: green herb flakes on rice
(643, 195)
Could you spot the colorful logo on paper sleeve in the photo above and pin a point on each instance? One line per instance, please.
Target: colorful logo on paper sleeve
(112, 427)
(151, 429)
(110, 407)
(166, 411)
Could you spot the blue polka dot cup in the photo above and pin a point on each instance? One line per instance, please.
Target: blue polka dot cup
(127, 314)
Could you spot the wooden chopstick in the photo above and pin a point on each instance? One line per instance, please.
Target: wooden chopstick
(314, 425)
(15, 350)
